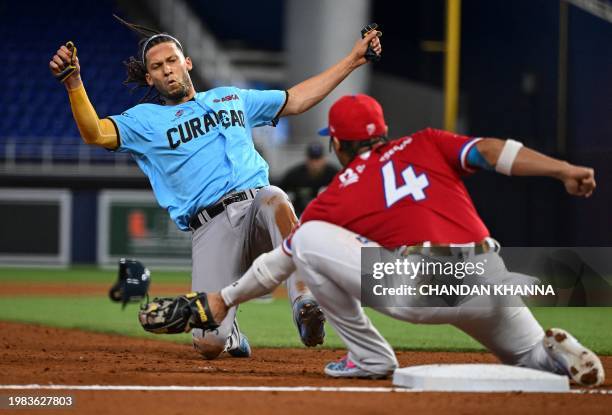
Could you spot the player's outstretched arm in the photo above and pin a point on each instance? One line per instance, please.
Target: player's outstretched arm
(310, 92)
(578, 180)
(93, 130)
(267, 272)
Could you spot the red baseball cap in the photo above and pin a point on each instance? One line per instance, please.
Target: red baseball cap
(355, 118)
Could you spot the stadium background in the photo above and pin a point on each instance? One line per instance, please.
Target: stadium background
(534, 70)
(518, 79)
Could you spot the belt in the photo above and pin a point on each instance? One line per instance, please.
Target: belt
(476, 248)
(206, 214)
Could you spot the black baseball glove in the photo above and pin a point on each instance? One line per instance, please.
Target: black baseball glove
(370, 55)
(177, 315)
(70, 67)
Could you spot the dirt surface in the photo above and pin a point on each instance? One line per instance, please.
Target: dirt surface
(42, 355)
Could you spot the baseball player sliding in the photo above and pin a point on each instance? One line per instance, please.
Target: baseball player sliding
(197, 151)
(407, 196)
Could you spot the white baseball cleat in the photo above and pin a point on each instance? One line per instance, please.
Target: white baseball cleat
(237, 344)
(579, 363)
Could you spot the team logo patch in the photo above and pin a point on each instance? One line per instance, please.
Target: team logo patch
(371, 128)
(348, 177)
(180, 113)
(227, 98)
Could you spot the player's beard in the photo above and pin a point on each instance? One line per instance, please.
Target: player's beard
(180, 91)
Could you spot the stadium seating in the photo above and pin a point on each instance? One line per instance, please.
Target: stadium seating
(37, 123)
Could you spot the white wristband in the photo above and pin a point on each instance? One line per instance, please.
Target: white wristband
(507, 156)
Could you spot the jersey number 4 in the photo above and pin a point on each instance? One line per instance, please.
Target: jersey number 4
(413, 184)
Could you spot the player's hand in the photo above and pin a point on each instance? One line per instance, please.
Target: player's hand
(59, 61)
(361, 46)
(578, 181)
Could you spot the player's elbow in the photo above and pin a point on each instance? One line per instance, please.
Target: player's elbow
(90, 136)
(490, 149)
(297, 103)
(293, 107)
(100, 134)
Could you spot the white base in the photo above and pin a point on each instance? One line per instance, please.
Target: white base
(479, 378)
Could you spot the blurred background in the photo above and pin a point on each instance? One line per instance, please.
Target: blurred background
(538, 71)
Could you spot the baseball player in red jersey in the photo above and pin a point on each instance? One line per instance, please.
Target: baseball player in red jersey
(407, 196)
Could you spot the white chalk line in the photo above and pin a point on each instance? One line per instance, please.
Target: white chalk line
(344, 389)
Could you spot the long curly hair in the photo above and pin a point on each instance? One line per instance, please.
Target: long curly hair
(136, 66)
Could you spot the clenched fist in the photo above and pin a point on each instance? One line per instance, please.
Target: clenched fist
(65, 66)
(360, 49)
(578, 181)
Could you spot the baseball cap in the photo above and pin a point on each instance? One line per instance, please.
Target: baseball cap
(314, 151)
(355, 118)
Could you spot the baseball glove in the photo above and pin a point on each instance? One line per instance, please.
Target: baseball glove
(177, 315)
(370, 55)
(71, 67)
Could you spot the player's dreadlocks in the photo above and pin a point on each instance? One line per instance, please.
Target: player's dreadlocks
(136, 65)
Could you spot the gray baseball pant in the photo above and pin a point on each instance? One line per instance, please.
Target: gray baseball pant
(224, 248)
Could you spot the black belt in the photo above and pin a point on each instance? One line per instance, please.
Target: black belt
(206, 214)
(478, 248)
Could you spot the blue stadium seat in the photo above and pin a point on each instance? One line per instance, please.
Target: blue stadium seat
(35, 107)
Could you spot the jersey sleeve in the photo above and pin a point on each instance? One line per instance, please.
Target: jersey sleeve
(454, 148)
(263, 107)
(131, 132)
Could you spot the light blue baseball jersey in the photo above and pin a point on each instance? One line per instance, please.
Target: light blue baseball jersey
(196, 152)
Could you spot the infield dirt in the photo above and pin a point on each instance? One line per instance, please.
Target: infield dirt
(34, 354)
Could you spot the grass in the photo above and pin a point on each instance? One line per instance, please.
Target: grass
(81, 274)
(267, 325)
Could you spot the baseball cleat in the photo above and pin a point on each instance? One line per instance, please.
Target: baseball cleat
(573, 359)
(310, 321)
(237, 344)
(346, 368)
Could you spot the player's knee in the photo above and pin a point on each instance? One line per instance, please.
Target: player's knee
(210, 346)
(272, 196)
(275, 203)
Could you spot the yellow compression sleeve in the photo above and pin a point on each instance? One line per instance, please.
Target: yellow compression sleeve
(93, 130)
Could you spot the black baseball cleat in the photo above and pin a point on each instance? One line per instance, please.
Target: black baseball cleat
(310, 321)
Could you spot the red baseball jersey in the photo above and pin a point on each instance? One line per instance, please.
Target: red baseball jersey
(405, 192)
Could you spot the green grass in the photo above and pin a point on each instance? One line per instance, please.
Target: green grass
(267, 325)
(81, 274)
